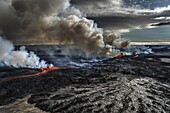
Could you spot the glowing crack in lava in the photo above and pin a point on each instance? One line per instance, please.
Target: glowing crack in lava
(43, 71)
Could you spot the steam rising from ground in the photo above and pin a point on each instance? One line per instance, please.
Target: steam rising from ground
(20, 58)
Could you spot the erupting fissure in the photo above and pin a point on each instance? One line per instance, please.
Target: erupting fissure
(52, 68)
(43, 71)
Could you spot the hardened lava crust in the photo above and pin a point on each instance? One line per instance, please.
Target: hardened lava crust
(119, 85)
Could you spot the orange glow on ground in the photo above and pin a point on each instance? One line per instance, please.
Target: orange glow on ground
(48, 68)
(43, 71)
(120, 55)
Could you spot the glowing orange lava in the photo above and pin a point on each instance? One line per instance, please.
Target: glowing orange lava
(43, 71)
(120, 55)
(48, 68)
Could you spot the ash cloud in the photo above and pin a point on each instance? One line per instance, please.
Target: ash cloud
(85, 35)
(25, 18)
(50, 21)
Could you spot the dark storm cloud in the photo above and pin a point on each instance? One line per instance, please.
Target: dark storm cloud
(124, 14)
(161, 24)
(117, 22)
(121, 22)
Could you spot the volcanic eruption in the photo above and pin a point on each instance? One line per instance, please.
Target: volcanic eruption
(112, 77)
(51, 21)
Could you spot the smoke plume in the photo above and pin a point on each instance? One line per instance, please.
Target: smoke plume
(19, 58)
(57, 21)
(85, 35)
(25, 18)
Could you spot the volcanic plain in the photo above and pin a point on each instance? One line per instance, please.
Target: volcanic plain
(130, 84)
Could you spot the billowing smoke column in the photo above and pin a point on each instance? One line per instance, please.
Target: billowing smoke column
(85, 35)
(19, 58)
(25, 18)
(50, 20)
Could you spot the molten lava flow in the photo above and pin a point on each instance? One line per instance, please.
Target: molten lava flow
(120, 55)
(48, 68)
(43, 71)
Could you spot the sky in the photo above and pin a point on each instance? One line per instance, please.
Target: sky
(132, 18)
(136, 20)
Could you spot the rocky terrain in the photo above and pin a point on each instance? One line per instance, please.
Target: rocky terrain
(126, 85)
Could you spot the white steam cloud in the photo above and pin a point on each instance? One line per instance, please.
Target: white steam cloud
(19, 58)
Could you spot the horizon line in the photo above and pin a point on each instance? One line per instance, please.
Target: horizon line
(131, 43)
